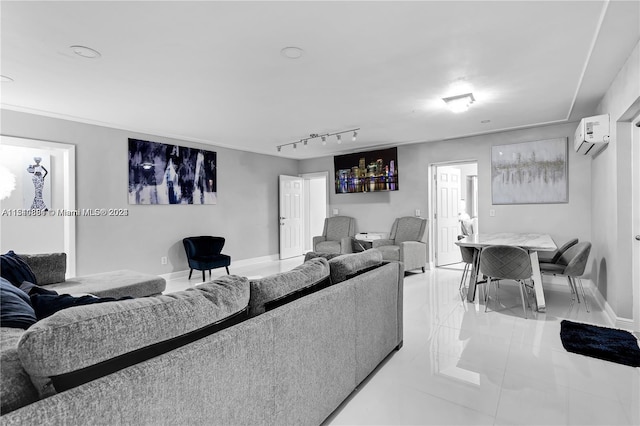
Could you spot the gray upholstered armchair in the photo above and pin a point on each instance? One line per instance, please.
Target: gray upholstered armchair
(336, 236)
(405, 243)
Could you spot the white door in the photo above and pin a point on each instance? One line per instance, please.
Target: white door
(290, 215)
(447, 208)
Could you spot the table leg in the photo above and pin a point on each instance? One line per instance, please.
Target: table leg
(471, 293)
(537, 282)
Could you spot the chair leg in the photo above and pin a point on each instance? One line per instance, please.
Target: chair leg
(486, 294)
(203, 275)
(209, 274)
(584, 297)
(227, 268)
(423, 270)
(524, 306)
(574, 289)
(464, 276)
(190, 272)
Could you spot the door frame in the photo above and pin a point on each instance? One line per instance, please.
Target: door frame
(635, 220)
(432, 204)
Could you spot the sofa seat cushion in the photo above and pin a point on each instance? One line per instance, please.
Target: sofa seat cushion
(301, 280)
(16, 389)
(113, 284)
(390, 252)
(348, 265)
(329, 247)
(81, 337)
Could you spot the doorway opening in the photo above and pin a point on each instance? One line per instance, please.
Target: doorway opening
(316, 195)
(303, 207)
(455, 189)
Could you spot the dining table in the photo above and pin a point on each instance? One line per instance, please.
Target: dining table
(531, 242)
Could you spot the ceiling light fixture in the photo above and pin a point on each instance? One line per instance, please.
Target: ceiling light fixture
(85, 52)
(355, 135)
(291, 52)
(323, 137)
(459, 103)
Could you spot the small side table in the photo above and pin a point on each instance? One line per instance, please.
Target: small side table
(364, 240)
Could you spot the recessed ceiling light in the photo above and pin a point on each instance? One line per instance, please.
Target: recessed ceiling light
(6, 79)
(292, 52)
(85, 52)
(485, 121)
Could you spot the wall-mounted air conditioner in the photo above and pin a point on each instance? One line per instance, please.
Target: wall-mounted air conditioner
(592, 135)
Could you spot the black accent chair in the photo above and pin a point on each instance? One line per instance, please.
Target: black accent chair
(203, 254)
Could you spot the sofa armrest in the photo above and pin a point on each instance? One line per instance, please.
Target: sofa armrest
(346, 245)
(382, 242)
(413, 254)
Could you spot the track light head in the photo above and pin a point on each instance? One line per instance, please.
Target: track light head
(324, 140)
(339, 139)
(355, 135)
(279, 148)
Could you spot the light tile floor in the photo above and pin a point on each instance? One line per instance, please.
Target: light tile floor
(460, 365)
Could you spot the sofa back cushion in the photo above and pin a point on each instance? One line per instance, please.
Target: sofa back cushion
(348, 265)
(273, 291)
(48, 268)
(96, 340)
(313, 255)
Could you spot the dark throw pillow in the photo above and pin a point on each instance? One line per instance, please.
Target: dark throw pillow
(15, 309)
(14, 269)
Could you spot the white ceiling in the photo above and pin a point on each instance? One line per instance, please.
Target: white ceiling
(213, 72)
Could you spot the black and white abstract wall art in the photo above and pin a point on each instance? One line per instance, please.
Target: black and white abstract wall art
(171, 174)
(530, 172)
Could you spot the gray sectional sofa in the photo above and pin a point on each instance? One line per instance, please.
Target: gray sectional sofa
(282, 350)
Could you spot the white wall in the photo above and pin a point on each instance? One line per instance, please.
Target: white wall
(376, 211)
(246, 213)
(611, 200)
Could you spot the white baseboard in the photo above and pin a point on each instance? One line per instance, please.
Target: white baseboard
(234, 264)
(561, 284)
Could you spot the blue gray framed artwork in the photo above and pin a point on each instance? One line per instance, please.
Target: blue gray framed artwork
(171, 174)
(371, 171)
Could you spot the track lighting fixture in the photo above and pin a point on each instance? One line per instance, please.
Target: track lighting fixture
(323, 137)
